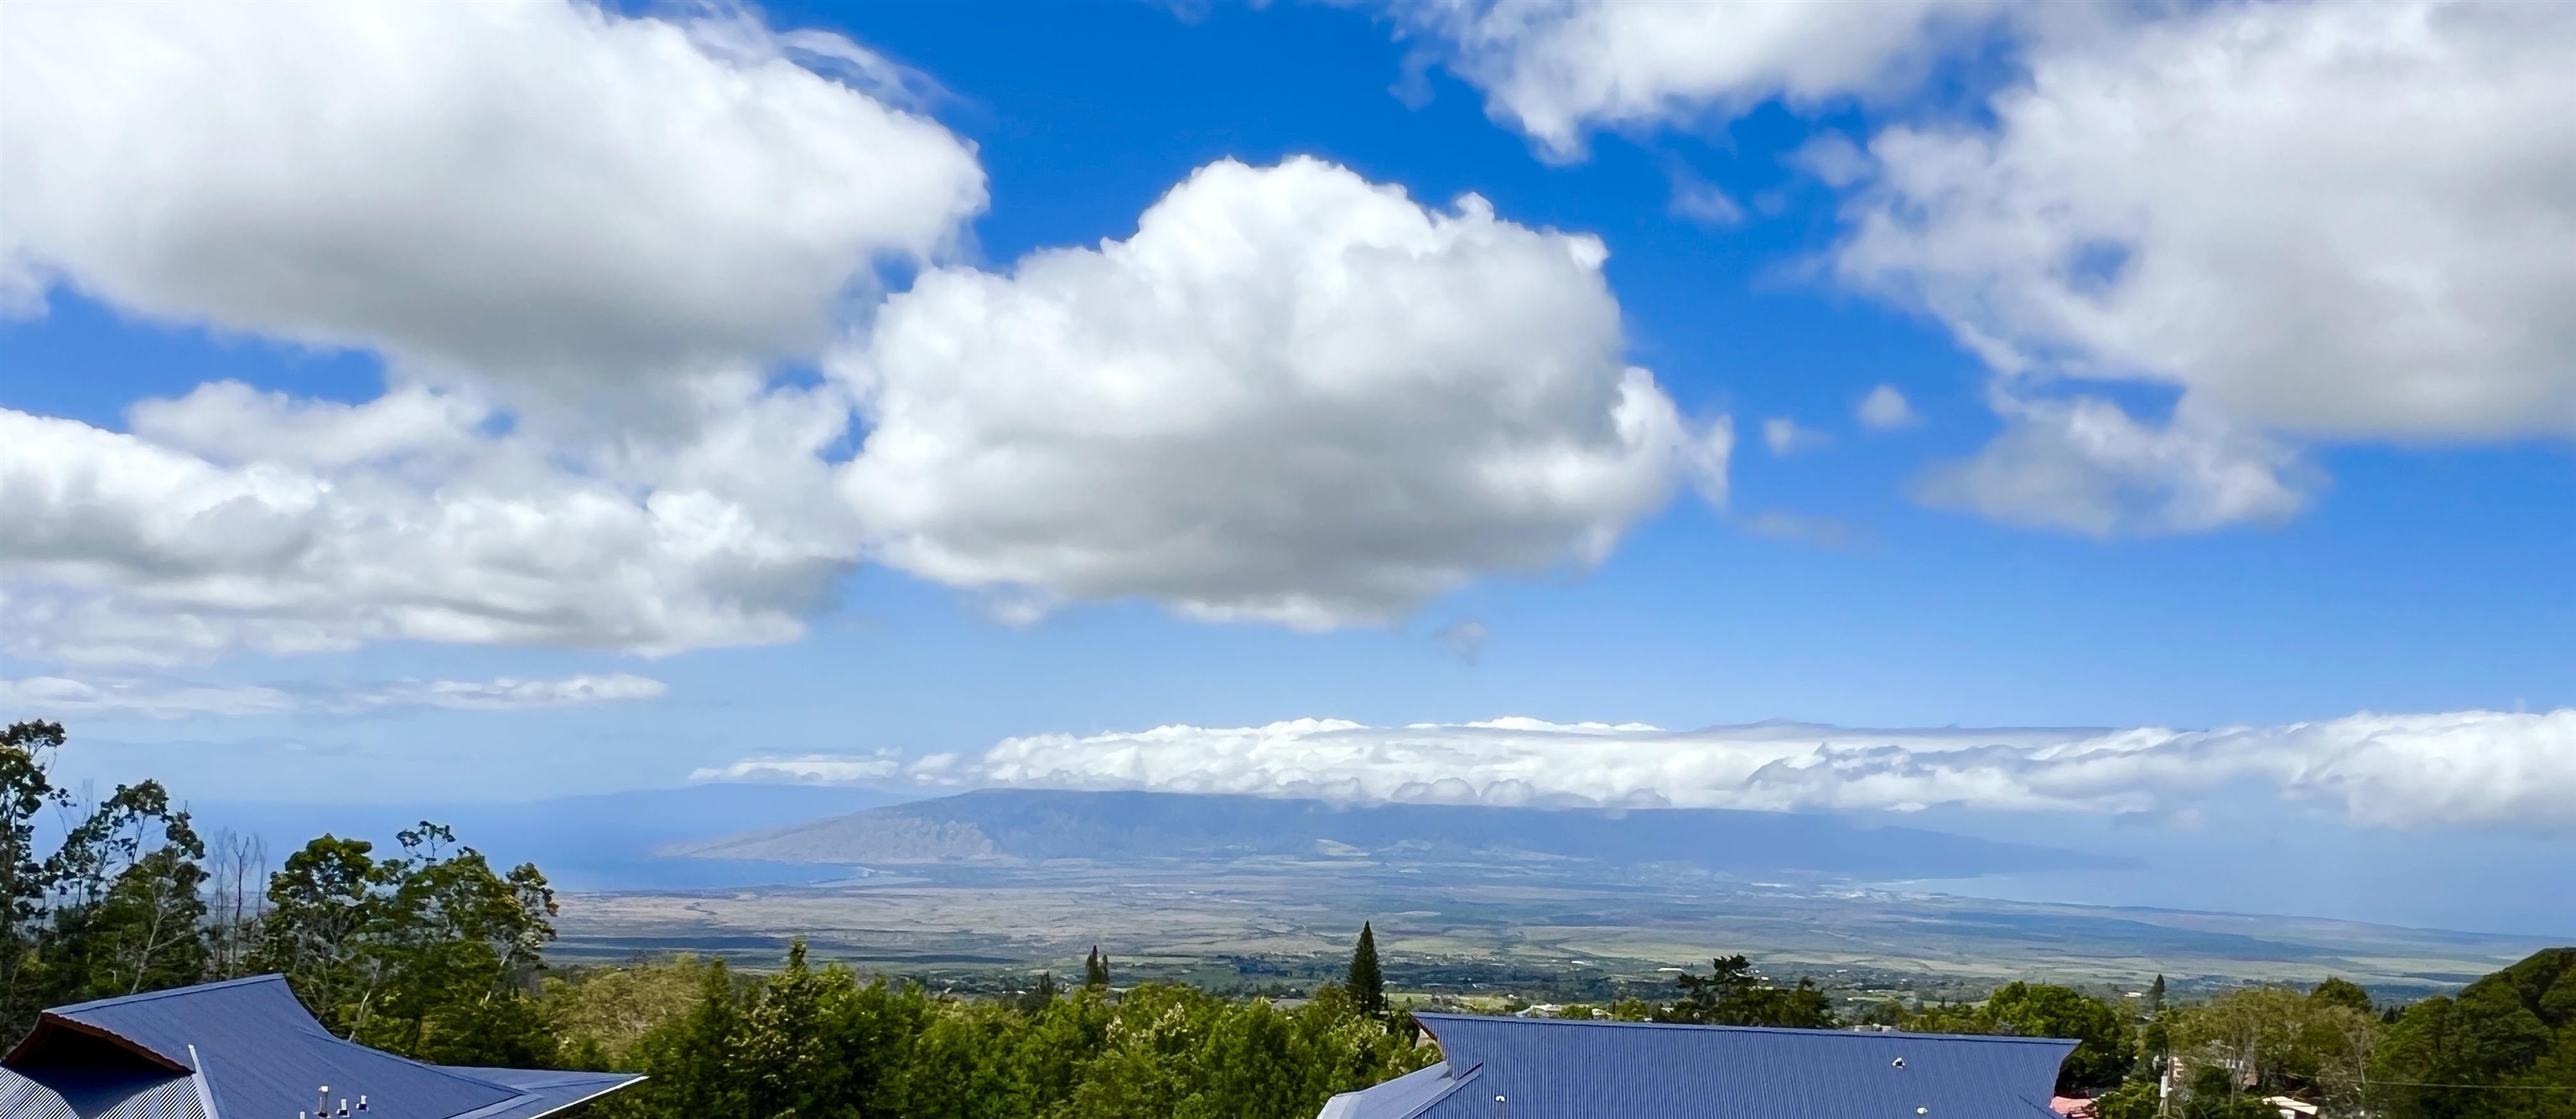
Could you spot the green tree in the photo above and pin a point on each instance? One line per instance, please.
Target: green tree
(603, 1012)
(785, 1060)
(2504, 1048)
(1095, 970)
(430, 954)
(128, 912)
(26, 789)
(2284, 1042)
(689, 1062)
(324, 906)
(816, 1043)
(2136, 1099)
(1040, 995)
(2103, 1051)
(459, 945)
(2212, 1093)
(147, 931)
(1367, 984)
(1731, 994)
(2337, 991)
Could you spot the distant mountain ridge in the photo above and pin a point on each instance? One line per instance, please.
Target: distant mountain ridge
(1034, 825)
(603, 841)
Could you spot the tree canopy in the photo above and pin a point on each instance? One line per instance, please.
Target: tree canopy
(809, 1041)
(2503, 1048)
(1732, 994)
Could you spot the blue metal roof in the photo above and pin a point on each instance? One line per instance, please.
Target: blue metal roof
(252, 1052)
(1545, 1068)
(1403, 1096)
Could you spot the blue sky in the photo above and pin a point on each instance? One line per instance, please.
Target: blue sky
(2301, 494)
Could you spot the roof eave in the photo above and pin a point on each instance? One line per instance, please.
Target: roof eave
(49, 1024)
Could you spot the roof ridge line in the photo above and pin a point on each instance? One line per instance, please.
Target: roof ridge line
(1796, 1030)
(148, 996)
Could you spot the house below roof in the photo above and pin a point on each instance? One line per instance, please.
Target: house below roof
(1542, 1068)
(248, 1050)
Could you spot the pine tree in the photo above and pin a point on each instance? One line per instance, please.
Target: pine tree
(1367, 984)
(2156, 996)
(1095, 970)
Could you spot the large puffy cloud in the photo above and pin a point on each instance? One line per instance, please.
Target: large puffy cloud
(2319, 220)
(56, 696)
(234, 519)
(2354, 220)
(2459, 768)
(1292, 395)
(524, 190)
(2313, 222)
(1559, 68)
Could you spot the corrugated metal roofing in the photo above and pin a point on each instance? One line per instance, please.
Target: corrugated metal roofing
(259, 1055)
(1402, 1096)
(1555, 1069)
(543, 1092)
(127, 1096)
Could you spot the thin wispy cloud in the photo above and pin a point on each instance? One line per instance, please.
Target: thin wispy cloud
(1785, 437)
(58, 696)
(1885, 409)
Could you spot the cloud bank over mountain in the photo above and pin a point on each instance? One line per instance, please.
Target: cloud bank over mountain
(2467, 768)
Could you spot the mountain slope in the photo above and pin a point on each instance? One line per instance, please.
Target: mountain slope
(1029, 825)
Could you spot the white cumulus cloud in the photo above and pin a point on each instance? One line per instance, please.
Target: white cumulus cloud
(536, 190)
(1558, 69)
(2467, 768)
(2310, 222)
(2087, 466)
(1293, 395)
(2315, 221)
(51, 697)
(231, 519)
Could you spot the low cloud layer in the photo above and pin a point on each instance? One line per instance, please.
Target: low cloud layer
(54, 697)
(2469, 768)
